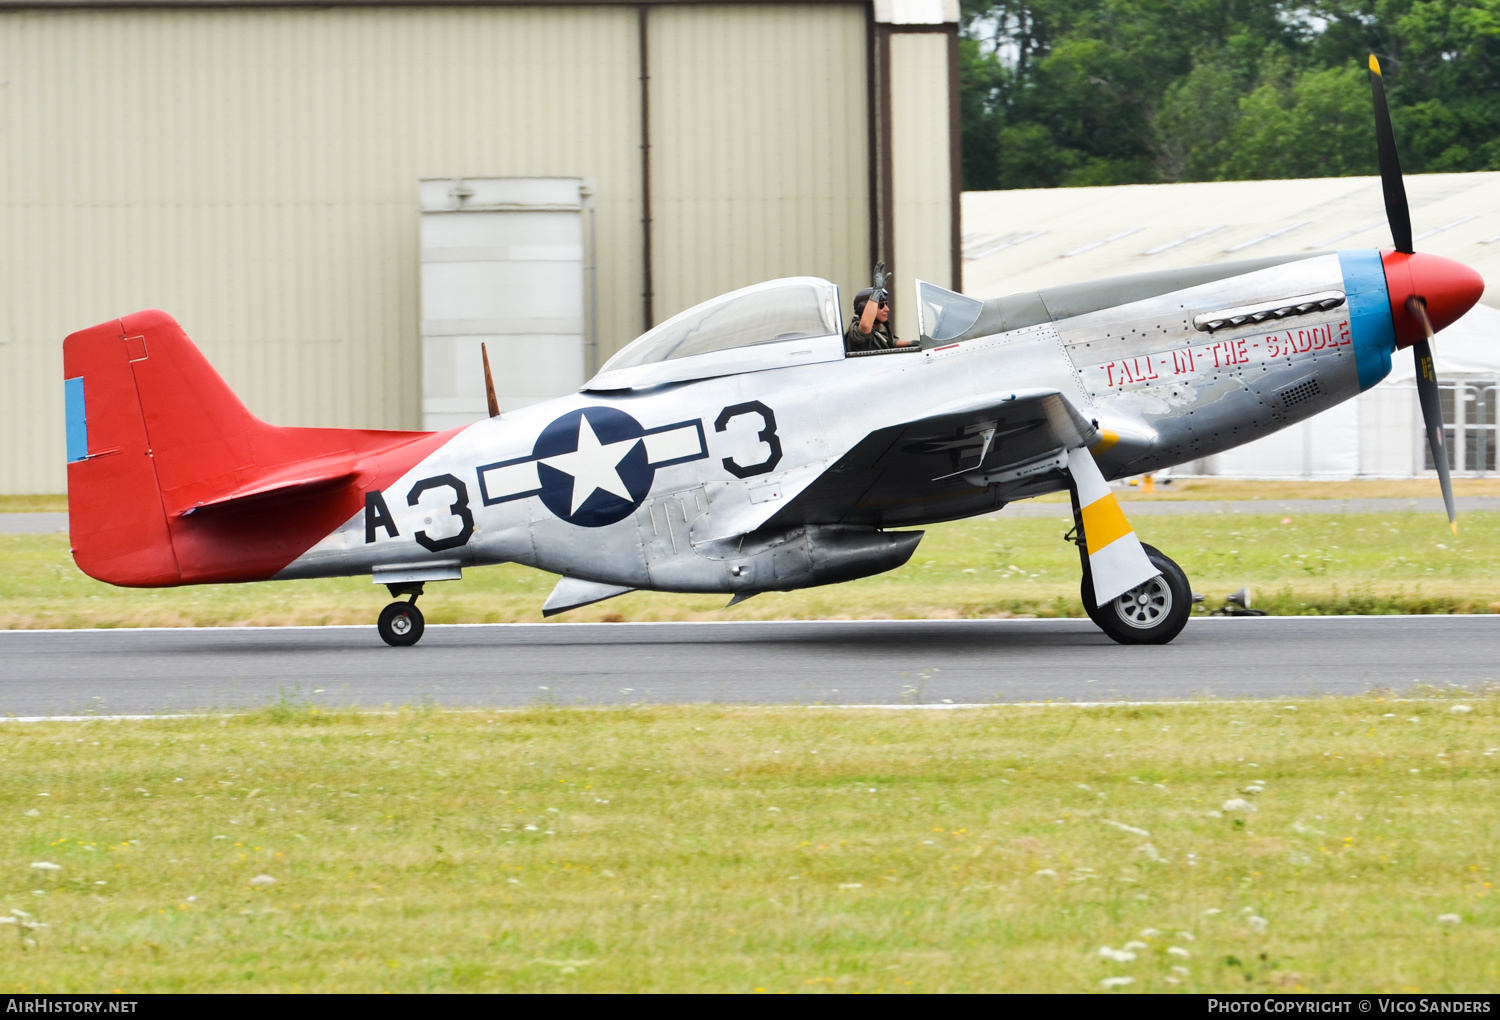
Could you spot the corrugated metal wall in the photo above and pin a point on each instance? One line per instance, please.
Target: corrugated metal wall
(759, 133)
(254, 172)
(920, 155)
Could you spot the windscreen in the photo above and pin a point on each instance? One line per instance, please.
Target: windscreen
(945, 314)
(767, 313)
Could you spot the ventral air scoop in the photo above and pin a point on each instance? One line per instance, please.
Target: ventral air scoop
(1448, 288)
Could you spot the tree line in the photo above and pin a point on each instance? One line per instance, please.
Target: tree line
(1061, 93)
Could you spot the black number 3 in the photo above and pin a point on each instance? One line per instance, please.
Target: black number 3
(766, 435)
(459, 509)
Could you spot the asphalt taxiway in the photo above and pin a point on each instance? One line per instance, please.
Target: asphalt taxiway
(932, 662)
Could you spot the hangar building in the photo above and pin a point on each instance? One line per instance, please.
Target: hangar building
(1024, 240)
(339, 200)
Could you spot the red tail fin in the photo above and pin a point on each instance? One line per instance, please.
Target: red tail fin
(171, 479)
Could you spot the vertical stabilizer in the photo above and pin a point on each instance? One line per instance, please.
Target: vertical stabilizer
(171, 479)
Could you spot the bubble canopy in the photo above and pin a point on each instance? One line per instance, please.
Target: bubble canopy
(764, 326)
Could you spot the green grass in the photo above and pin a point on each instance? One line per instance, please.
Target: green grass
(33, 504)
(1357, 563)
(741, 849)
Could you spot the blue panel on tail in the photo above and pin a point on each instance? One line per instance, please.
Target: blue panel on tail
(1369, 315)
(77, 419)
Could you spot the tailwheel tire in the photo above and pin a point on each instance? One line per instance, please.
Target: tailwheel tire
(1149, 614)
(401, 624)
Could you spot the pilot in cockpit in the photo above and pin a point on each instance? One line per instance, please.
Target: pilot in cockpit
(870, 329)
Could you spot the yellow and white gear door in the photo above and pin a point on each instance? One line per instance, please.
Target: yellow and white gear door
(1117, 562)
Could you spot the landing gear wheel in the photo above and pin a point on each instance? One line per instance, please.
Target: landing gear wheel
(401, 624)
(1149, 614)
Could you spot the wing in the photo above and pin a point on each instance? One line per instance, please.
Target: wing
(959, 459)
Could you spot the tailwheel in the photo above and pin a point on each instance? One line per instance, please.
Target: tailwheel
(401, 624)
(1149, 614)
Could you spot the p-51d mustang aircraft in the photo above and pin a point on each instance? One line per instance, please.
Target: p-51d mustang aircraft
(738, 448)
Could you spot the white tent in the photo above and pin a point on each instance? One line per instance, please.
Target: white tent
(1025, 240)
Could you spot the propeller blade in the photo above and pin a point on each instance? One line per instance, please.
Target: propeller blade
(1432, 409)
(1397, 213)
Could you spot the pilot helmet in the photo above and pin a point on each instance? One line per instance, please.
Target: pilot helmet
(862, 298)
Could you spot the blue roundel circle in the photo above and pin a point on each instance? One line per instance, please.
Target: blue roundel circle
(597, 449)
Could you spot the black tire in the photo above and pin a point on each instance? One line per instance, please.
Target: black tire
(1086, 592)
(1153, 613)
(401, 624)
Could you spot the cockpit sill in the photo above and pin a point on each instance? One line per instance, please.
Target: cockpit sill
(912, 349)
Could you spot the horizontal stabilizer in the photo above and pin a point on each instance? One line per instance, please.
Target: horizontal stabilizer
(292, 480)
(572, 593)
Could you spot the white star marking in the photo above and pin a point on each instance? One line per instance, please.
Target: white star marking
(593, 465)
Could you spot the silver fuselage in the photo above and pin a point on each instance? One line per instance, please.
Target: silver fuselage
(716, 466)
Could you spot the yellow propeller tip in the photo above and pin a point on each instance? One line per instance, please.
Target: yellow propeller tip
(1454, 526)
(1375, 64)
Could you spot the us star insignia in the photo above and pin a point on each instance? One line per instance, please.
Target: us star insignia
(593, 466)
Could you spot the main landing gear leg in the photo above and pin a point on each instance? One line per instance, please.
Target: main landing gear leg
(401, 623)
(1149, 614)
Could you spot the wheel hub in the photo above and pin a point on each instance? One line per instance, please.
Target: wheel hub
(401, 625)
(1145, 606)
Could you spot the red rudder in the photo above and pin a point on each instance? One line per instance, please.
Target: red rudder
(115, 515)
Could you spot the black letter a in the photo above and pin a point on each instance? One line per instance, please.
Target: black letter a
(378, 515)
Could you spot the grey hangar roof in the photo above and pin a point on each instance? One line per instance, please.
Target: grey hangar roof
(1025, 240)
